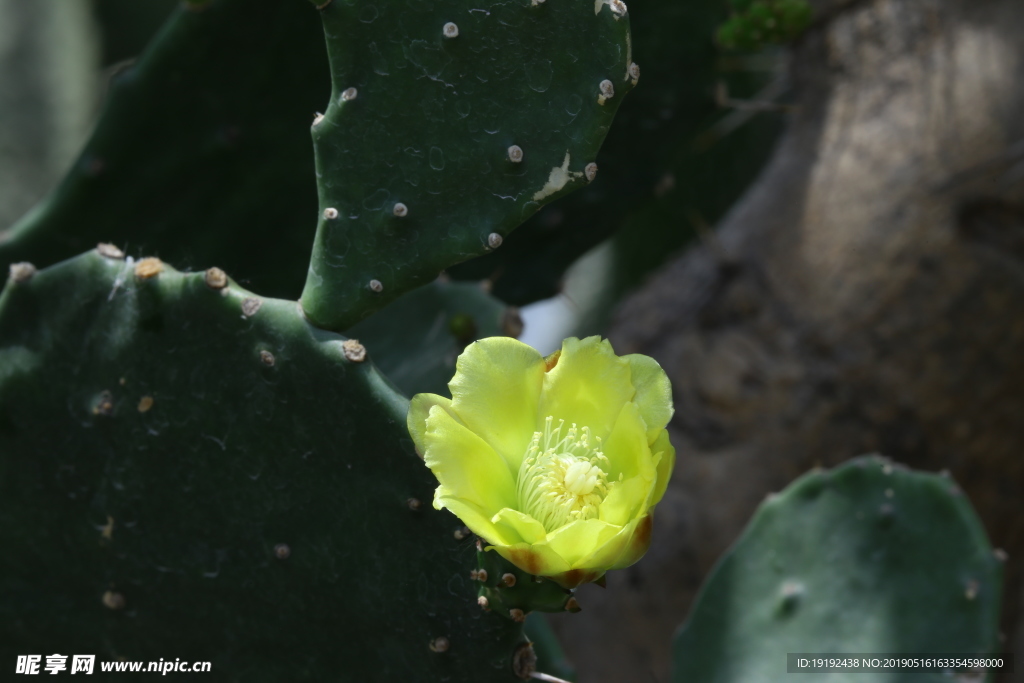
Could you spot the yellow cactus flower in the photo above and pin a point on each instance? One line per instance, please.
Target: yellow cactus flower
(555, 462)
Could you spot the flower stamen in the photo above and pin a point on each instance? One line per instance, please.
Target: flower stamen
(562, 478)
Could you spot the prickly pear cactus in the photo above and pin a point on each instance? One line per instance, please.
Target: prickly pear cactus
(447, 127)
(417, 339)
(189, 468)
(867, 558)
(195, 137)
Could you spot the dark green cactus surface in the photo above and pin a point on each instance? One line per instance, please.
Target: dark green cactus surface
(191, 471)
(416, 340)
(866, 558)
(202, 152)
(448, 126)
(675, 159)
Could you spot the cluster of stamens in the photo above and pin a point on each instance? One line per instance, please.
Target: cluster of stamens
(562, 478)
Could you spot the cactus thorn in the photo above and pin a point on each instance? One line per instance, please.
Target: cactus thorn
(148, 268)
(515, 154)
(439, 644)
(1000, 555)
(547, 678)
(478, 575)
(112, 600)
(376, 286)
(317, 118)
(356, 352)
(573, 605)
(215, 278)
(109, 250)
(251, 306)
(494, 240)
(537, 2)
(400, 210)
(22, 272)
(450, 30)
(482, 601)
(971, 592)
(413, 503)
(267, 358)
(590, 171)
(349, 94)
(107, 531)
(282, 551)
(330, 214)
(104, 404)
(634, 72)
(524, 661)
(509, 579)
(518, 615)
(324, 4)
(145, 403)
(607, 91)
(462, 533)
(889, 493)
(618, 8)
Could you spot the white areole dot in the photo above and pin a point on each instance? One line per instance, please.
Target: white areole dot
(451, 30)
(349, 94)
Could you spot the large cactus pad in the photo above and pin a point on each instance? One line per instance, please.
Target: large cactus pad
(191, 471)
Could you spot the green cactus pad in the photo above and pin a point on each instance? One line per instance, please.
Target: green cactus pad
(866, 558)
(513, 593)
(189, 470)
(416, 340)
(448, 126)
(202, 152)
(675, 159)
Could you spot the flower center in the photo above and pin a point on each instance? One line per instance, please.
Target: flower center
(561, 478)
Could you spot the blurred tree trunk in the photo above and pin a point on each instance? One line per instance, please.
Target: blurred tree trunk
(866, 295)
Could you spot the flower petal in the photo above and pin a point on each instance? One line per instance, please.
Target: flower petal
(495, 392)
(472, 516)
(653, 393)
(588, 385)
(519, 526)
(419, 410)
(626, 447)
(639, 542)
(578, 540)
(605, 556)
(538, 559)
(465, 464)
(665, 459)
(625, 500)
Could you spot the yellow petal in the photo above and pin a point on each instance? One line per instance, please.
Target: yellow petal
(472, 516)
(578, 540)
(537, 559)
(519, 526)
(665, 457)
(605, 556)
(416, 420)
(588, 385)
(465, 465)
(495, 392)
(625, 500)
(638, 543)
(653, 393)
(626, 447)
